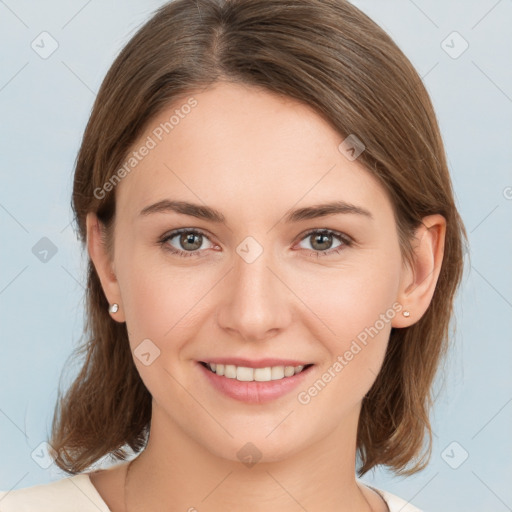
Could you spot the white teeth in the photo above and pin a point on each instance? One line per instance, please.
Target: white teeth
(289, 371)
(230, 371)
(277, 372)
(263, 374)
(245, 374)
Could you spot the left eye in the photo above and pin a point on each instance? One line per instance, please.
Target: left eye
(322, 238)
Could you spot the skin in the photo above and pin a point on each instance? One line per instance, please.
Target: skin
(253, 163)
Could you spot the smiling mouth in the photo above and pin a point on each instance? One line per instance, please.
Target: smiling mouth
(246, 374)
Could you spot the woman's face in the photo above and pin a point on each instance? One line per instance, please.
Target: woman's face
(261, 283)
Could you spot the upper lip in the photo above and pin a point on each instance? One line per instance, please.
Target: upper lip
(255, 363)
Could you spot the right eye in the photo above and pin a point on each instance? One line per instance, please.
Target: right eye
(190, 240)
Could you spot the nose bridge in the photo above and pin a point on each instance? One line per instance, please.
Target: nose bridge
(252, 269)
(256, 299)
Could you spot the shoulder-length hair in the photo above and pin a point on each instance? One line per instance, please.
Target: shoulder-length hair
(331, 56)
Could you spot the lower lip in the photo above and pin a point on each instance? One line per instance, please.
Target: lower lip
(254, 392)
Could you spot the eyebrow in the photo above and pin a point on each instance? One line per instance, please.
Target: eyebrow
(213, 215)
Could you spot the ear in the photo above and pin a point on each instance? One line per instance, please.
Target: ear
(103, 264)
(418, 283)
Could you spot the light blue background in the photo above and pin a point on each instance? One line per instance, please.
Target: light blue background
(44, 108)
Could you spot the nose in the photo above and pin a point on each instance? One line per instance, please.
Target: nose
(255, 303)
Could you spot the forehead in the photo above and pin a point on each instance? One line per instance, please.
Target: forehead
(236, 145)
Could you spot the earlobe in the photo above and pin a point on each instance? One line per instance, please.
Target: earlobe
(103, 265)
(419, 281)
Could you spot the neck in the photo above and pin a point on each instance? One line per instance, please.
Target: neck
(319, 478)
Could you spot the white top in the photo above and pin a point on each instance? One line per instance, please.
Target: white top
(78, 494)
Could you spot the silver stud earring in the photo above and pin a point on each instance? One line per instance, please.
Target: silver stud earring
(114, 308)
(406, 313)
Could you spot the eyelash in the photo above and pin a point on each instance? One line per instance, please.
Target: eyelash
(347, 242)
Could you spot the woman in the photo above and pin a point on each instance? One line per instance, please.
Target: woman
(274, 253)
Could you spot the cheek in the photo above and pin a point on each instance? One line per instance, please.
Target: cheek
(355, 308)
(359, 311)
(350, 299)
(161, 301)
(161, 305)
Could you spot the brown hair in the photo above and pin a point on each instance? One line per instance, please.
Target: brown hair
(331, 56)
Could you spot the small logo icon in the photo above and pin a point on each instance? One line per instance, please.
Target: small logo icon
(44, 250)
(44, 45)
(249, 455)
(454, 455)
(146, 352)
(42, 455)
(454, 45)
(249, 249)
(351, 147)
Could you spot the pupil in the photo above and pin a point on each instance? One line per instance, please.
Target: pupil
(189, 238)
(318, 238)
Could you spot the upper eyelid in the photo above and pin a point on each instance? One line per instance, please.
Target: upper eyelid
(338, 234)
(178, 231)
